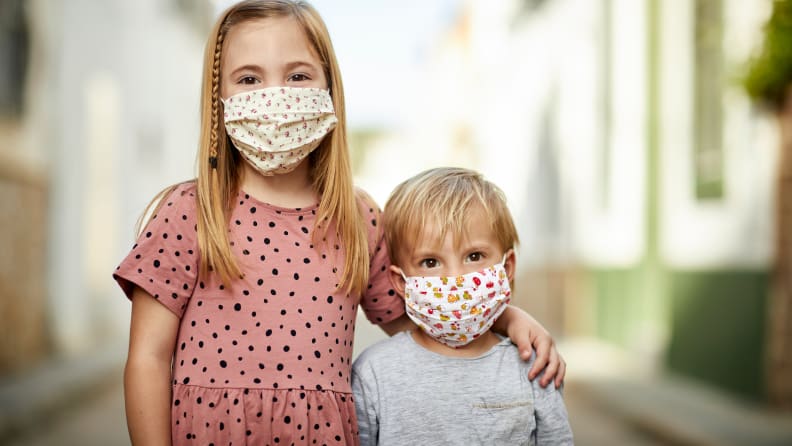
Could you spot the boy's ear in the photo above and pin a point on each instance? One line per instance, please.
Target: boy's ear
(396, 280)
(510, 264)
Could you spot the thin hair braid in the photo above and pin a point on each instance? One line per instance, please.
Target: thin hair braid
(213, 142)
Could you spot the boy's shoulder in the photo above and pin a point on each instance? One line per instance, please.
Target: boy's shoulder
(387, 350)
(509, 351)
(401, 347)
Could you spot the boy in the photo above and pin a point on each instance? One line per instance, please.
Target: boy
(451, 241)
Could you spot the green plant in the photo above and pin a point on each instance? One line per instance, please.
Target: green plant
(769, 73)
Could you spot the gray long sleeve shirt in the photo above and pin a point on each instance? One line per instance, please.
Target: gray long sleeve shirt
(405, 394)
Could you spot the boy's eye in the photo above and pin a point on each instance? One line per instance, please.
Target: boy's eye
(299, 77)
(428, 263)
(248, 80)
(474, 257)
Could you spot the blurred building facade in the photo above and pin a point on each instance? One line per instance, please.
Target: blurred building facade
(99, 111)
(640, 174)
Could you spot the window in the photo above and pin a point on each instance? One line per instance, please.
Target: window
(13, 57)
(708, 109)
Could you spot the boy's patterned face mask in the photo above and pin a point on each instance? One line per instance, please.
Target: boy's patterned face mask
(276, 128)
(456, 310)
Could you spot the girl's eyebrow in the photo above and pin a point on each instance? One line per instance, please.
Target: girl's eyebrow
(289, 66)
(247, 67)
(299, 63)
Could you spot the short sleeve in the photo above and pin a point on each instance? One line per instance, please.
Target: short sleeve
(552, 420)
(380, 302)
(164, 259)
(366, 403)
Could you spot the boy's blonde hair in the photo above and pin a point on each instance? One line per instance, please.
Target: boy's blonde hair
(444, 195)
(220, 165)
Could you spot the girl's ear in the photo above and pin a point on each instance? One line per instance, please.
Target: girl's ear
(396, 280)
(510, 264)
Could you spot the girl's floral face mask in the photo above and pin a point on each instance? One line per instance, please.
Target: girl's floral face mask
(276, 128)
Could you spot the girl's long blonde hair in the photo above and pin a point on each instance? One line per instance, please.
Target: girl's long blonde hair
(220, 168)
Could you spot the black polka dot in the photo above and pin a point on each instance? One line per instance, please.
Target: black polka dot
(248, 348)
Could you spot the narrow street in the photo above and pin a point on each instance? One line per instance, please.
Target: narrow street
(96, 421)
(99, 420)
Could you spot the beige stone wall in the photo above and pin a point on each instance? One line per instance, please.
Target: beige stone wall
(557, 298)
(23, 263)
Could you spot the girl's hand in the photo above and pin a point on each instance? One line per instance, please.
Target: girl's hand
(528, 335)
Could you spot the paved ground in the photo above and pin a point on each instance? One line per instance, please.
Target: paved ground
(100, 422)
(594, 425)
(99, 419)
(612, 400)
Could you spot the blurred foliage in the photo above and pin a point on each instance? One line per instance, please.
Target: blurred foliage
(770, 71)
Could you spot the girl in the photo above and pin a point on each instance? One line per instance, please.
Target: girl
(245, 282)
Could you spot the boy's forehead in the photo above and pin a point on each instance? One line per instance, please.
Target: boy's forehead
(422, 235)
(435, 231)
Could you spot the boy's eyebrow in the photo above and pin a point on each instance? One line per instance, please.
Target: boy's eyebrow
(477, 244)
(423, 252)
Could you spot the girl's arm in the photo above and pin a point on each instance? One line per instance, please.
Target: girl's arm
(402, 323)
(147, 375)
(526, 332)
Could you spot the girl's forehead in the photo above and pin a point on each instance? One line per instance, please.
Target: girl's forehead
(265, 24)
(271, 35)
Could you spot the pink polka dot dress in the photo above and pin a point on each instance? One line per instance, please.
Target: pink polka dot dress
(266, 361)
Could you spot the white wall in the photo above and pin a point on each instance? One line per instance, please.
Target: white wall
(112, 109)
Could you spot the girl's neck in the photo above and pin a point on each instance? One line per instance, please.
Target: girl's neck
(288, 190)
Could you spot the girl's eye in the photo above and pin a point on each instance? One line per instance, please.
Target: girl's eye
(475, 257)
(248, 80)
(428, 263)
(299, 77)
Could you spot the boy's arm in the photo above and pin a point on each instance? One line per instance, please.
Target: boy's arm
(147, 375)
(366, 408)
(526, 333)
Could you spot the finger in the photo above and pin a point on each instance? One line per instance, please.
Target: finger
(559, 379)
(551, 369)
(525, 352)
(542, 357)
